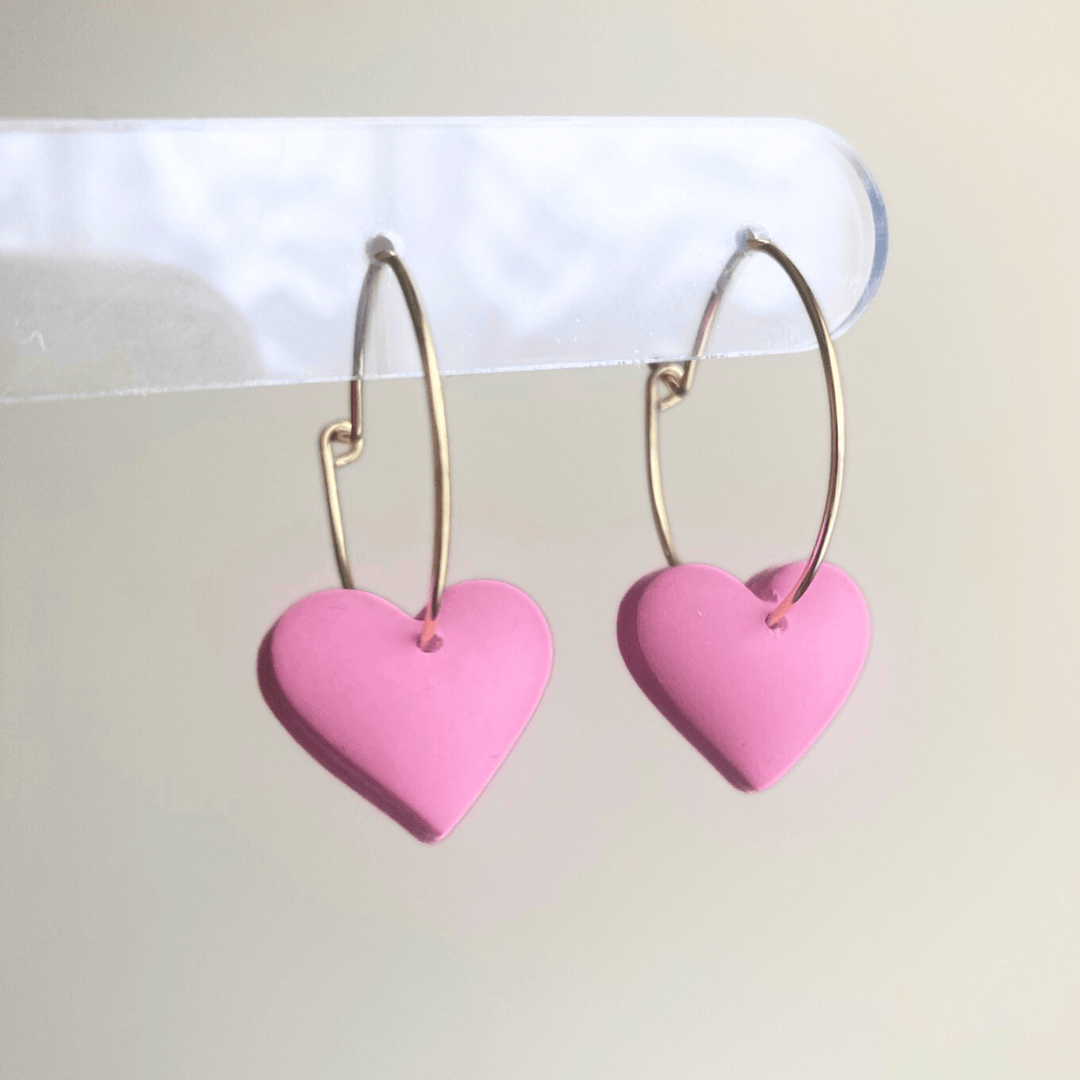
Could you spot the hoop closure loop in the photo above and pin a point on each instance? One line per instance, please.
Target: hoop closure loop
(677, 377)
(380, 251)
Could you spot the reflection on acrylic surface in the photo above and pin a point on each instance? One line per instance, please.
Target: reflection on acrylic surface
(534, 243)
(88, 325)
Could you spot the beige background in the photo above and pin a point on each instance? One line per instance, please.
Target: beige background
(185, 894)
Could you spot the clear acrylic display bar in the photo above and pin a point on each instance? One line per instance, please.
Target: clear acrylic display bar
(139, 256)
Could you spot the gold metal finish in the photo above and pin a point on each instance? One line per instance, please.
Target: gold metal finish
(677, 377)
(351, 432)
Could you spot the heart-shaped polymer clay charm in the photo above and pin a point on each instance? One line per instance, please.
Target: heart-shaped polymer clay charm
(750, 699)
(417, 733)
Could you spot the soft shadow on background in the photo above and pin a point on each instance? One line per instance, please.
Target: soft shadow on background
(186, 894)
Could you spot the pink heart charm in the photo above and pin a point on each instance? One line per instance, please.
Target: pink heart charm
(418, 734)
(750, 699)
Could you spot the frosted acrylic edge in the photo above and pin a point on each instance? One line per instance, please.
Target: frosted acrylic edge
(881, 225)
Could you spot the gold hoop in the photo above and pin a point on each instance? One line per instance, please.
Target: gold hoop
(677, 377)
(381, 253)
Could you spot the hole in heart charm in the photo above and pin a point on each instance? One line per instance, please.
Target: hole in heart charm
(419, 734)
(749, 698)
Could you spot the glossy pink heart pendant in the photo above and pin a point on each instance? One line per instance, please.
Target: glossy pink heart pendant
(418, 734)
(750, 699)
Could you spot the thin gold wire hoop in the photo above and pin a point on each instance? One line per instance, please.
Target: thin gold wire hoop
(677, 377)
(381, 253)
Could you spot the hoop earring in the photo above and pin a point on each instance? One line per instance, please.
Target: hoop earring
(749, 674)
(414, 714)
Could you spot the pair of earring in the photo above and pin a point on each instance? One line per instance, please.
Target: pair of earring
(416, 714)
